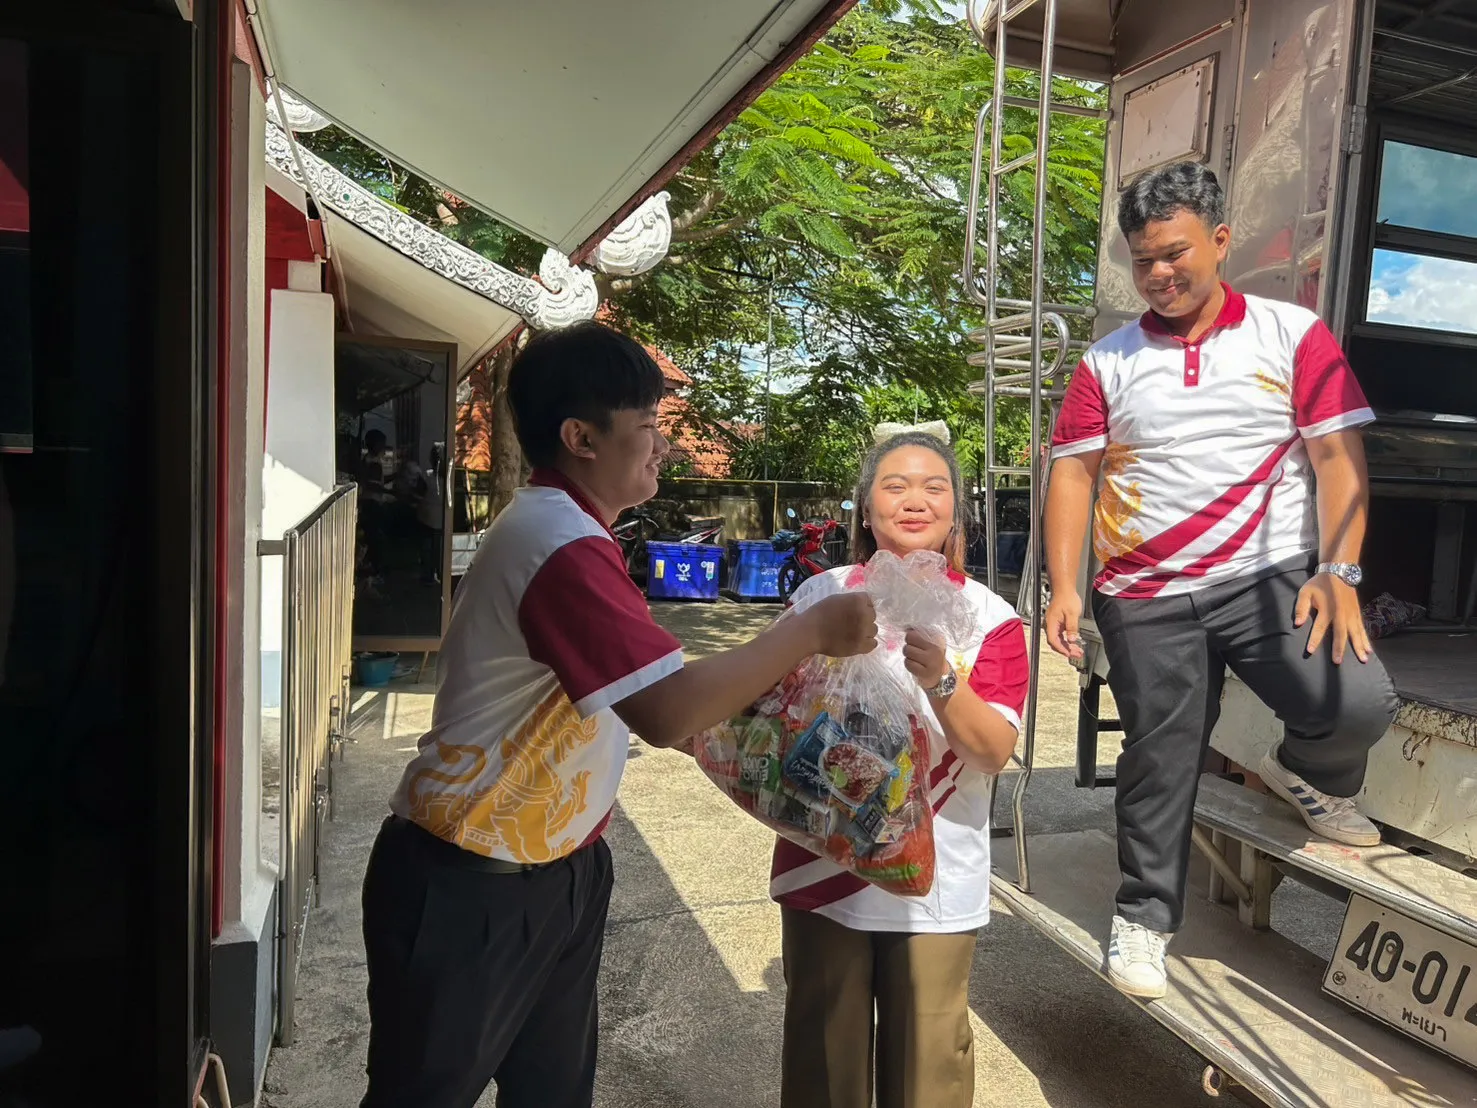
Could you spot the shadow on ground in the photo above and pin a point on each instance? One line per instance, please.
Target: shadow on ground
(692, 993)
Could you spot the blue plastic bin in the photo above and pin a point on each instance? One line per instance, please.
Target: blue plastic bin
(375, 670)
(682, 571)
(754, 570)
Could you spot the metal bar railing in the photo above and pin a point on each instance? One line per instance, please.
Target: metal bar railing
(1016, 344)
(317, 624)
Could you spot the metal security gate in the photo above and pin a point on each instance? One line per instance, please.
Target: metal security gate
(317, 615)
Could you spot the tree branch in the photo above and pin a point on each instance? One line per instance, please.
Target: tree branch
(619, 286)
(716, 230)
(699, 211)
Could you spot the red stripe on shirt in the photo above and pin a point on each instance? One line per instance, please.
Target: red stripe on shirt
(826, 891)
(599, 830)
(788, 856)
(941, 770)
(1152, 586)
(1168, 543)
(939, 804)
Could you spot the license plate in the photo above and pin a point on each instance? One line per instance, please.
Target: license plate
(1418, 980)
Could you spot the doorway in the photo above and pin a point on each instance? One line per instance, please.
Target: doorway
(393, 400)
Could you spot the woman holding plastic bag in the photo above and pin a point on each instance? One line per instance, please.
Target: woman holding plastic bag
(878, 984)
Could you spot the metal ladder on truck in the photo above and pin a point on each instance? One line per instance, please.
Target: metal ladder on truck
(1247, 1000)
(1016, 342)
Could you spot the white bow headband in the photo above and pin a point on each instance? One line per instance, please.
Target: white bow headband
(885, 431)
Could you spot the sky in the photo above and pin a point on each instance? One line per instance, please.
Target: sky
(1431, 190)
(1412, 291)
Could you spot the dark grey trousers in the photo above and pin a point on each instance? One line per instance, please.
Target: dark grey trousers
(1168, 657)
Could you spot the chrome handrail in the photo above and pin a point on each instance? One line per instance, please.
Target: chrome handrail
(1017, 342)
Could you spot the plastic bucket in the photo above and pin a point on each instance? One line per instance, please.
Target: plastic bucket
(375, 669)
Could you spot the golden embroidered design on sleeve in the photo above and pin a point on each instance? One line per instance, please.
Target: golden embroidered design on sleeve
(1119, 500)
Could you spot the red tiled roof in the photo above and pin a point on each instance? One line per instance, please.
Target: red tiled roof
(699, 441)
(672, 374)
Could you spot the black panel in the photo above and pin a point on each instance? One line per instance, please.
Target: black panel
(1425, 377)
(101, 539)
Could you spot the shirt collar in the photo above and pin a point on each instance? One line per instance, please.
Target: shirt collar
(550, 478)
(1232, 312)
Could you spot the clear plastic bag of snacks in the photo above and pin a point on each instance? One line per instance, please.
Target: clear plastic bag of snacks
(836, 757)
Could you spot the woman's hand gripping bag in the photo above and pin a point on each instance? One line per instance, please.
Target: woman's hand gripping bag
(837, 756)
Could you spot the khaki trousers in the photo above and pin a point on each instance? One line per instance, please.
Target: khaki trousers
(865, 1001)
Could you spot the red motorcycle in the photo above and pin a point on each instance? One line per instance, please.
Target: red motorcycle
(807, 549)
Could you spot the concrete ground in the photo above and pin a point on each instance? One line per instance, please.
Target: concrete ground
(692, 990)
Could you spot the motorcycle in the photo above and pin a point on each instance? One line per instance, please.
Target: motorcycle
(637, 527)
(806, 549)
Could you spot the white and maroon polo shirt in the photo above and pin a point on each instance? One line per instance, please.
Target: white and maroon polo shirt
(960, 900)
(524, 754)
(1204, 476)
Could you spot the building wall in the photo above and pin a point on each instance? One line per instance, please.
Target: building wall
(298, 469)
(244, 953)
(283, 335)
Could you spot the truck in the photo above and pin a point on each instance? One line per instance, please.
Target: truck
(1345, 135)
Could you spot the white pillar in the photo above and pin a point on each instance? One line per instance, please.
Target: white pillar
(298, 469)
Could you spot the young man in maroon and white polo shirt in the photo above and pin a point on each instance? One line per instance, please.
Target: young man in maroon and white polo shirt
(487, 889)
(1221, 433)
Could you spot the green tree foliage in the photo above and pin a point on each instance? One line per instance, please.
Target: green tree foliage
(841, 192)
(830, 216)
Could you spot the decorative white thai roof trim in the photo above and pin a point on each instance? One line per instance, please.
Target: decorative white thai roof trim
(300, 116)
(567, 294)
(639, 241)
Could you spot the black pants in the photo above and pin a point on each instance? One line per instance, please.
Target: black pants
(476, 976)
(1167, 659)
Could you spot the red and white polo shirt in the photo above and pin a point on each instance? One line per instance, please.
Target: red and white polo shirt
(524, 754)
(960, 901)
(1204, 475)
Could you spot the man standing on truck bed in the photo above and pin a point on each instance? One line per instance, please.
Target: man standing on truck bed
(1224, 430)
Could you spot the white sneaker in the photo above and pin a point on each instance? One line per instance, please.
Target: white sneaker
(1333, 817)
(1136, 959)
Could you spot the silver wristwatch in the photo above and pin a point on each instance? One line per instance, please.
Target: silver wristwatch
(1347, 572)
(946, 686)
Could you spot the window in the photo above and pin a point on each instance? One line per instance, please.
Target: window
(1423, 272)
(1428, 190)
(1167, 121)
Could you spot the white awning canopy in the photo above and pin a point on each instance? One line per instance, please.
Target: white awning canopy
(550, 116)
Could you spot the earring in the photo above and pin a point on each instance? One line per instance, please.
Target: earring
(867, 523)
